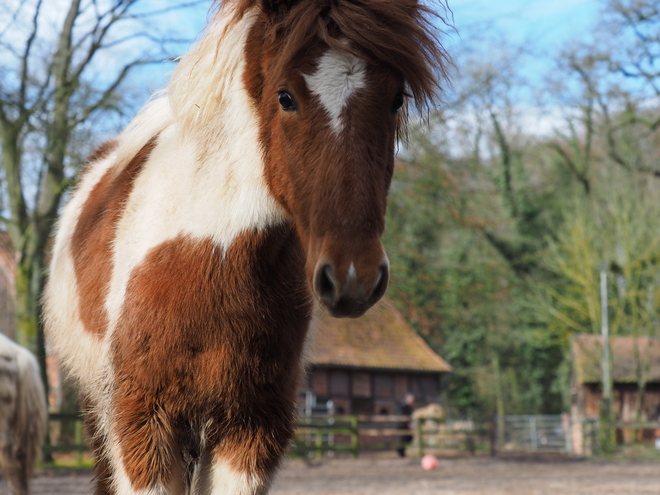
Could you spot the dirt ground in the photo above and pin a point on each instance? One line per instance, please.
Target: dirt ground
(468, 476)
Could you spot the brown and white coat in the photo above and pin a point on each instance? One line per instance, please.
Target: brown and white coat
(188, 259)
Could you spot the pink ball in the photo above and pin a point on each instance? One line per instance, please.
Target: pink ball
(429, 462)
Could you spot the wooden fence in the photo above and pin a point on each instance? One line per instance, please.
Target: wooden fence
(65, 436)
(354, 434)
(314, 437)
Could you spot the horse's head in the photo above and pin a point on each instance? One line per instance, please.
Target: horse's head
(330, 80)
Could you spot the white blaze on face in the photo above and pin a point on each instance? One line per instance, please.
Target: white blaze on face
(338, 76)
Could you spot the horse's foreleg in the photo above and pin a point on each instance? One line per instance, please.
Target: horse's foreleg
(102, 469)
(18, 477)
(14, 464)
(245, 462)
(143, 454)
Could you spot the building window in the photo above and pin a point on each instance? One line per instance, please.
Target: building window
(383, 386)
(400, 386)
(361, 385)
(319, 382)
(426, 388)
(339, 381)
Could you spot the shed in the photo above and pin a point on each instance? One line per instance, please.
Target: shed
(368, 365)
(632, 357)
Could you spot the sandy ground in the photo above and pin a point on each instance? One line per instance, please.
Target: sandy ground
(390, 475)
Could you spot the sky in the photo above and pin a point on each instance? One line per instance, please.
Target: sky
(545, 25)
(548, 23)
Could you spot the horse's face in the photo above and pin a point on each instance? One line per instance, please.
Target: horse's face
(327, 80)
(328, 122)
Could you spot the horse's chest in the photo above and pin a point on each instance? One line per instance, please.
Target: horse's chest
(196, 321)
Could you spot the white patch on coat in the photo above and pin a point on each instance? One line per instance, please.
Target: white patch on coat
(338, 76)
(79, 351)
(122, 483)
(202, 185)
(352, 274)
(225, 480)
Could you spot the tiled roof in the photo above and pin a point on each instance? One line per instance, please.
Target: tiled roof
(380, 339)
(587, 357)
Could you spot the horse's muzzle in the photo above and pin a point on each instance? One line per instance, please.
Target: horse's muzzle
(348, 296)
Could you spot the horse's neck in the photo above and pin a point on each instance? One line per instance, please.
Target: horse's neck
(207, 166)
(205, 176)
(206, 90)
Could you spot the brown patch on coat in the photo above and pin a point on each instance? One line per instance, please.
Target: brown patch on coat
(209, 343)
(103, 151)
(91, 243)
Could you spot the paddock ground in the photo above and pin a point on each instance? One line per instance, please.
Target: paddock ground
(388, 475)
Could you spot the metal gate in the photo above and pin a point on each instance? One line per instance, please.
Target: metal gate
(534, 433)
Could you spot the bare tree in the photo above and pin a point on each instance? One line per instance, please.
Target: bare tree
(614, 83)
(56, 78)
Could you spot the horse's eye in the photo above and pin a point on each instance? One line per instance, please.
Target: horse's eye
(397, 103)
(286, 101)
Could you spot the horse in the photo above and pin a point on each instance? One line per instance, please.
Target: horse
(190, 255)
(23, 414)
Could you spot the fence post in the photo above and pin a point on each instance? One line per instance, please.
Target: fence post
(78, 433)
(493, 437)
(355, 442)
(318, 443)
(420, 437)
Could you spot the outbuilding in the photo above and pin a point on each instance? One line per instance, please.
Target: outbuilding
(368, 365)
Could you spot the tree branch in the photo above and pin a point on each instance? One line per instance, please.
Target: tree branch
(166, 10)
(26, 57)
(107, 94)
(19, 7)
(570, 163)
(64, 52)
(514, 255)
(99, 32)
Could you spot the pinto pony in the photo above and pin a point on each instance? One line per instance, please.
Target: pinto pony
(23, 414)
(191, 253)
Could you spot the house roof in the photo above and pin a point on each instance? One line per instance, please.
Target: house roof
(587, 358)
(380, 339)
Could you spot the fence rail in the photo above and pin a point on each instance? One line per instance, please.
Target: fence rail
(318, 435)
(65, 435)
(315, 435)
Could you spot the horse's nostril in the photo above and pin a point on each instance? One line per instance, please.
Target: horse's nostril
(381, 284)
(325, 286)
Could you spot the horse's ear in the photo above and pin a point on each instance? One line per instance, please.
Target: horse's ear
(277, 7)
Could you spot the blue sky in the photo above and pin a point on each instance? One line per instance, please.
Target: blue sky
(542, 25)
(548, 24)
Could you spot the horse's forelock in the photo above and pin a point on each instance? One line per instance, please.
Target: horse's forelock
(401, 34)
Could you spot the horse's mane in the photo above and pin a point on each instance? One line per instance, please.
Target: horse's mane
(402, 34)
